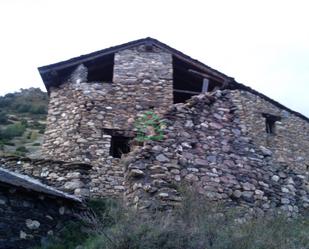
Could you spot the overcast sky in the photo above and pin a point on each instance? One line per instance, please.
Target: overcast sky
(263, 44)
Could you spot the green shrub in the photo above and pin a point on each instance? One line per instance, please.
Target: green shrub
(149, 127)
(18, 153)
(5, 101)
(9, 143)
(22, 149)
(69, 237)
(41, 131)
(29, 135)
(37, 125)
(13, 130)
(109, 211)
(206, 230)
(36, 144)
(3, 118)
(40, 109)
(22, 108)
(197, 224)
(24, 122)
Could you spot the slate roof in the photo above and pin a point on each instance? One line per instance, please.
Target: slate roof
(26, 182)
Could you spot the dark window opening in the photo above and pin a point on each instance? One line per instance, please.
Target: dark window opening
(119, 145)
(187, 81)
(101, 69)
(194, 145)
(148, 47)
(270, 126)
(270, 122)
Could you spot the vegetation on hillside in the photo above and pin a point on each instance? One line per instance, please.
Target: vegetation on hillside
(26, 101)
(195, 225)
(22, 121)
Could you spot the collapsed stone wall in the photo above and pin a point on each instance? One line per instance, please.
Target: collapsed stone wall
(28, 218)
(289, 142)
(76, 178)
(207, 145)
(83, 116)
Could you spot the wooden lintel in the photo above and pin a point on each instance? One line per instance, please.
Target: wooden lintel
(206, 76)
(271, 117)
(202, 75)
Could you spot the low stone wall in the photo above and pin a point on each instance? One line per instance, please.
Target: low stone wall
(71, 177)
(206, 146)
(76, 178)
(28, 218)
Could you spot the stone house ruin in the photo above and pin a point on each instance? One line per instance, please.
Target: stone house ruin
(249, 147)
(228, 141)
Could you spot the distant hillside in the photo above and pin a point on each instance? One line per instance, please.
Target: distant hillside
(22, 121)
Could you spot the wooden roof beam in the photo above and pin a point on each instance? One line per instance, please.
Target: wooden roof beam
(185, 91)
(207, 76)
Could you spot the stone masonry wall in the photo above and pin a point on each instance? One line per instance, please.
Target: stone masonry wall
(290, 142)
(27, 219)
(82, 115)
(207, 146)
(70, 177)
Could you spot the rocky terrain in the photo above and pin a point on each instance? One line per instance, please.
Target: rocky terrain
(22, 122)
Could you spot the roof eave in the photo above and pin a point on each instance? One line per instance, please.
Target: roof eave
(29, 183)
(239, 86)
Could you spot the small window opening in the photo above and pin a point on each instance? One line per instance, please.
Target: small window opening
(101, 69)
(194, 145)
(270, 126)
(119, 145)
(149, 47)
(270, 122)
